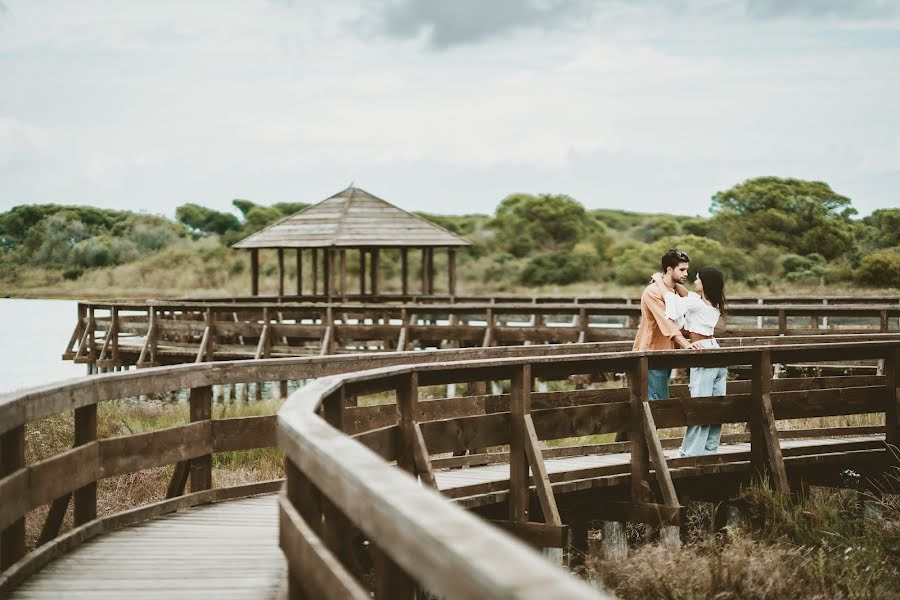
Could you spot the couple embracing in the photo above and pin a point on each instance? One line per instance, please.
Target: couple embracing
(672, 317)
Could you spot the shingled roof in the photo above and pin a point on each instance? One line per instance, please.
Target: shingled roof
(352, 218)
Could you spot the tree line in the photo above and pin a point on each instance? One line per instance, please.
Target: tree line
(759, 232)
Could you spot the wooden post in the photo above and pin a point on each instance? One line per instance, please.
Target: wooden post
(315, 271)
(114, 333)
(431, 271)
(254, 271)
(640, 465)
(362, 271)
(765, 450)
(424, 271)
(404, 271)
(154, 335)
(85, 432)
(344, 273)
(520, 405)
(892, 408)
(328, 270)
(299, 271)
(211, 342)
(376, 272)
(201, 466)
(883, 321)
(782, 322)
(451, 271)
(12, 458)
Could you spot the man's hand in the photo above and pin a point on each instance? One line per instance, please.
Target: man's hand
(656, 277)
(681, 342)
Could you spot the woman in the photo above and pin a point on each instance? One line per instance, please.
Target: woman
(698, 313)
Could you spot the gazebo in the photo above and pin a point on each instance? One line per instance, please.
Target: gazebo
(353, 220)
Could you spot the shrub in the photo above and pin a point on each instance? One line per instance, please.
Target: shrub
(881, 269)
(557, 268)
(803, 269)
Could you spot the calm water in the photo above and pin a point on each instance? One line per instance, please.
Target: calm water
(34, 335)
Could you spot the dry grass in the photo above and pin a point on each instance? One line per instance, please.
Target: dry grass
(821, 547)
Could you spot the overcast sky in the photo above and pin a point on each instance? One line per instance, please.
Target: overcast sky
(445, 106)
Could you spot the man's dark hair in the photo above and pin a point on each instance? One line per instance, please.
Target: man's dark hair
(673, 258)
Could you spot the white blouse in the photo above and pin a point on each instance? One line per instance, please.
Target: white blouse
(691, 313)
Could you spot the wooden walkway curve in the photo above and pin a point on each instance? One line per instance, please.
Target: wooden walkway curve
(227, 550)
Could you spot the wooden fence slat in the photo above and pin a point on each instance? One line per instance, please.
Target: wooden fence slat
(520, 392)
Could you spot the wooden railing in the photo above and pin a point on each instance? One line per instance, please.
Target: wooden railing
(147, 334)
(339, 486)
(338, 483)
(530, 299)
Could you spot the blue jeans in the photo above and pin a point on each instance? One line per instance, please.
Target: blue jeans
(705, 381)
(658, 384)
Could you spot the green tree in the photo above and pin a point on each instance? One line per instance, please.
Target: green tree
(800, 216)
(525, 223)
(556, 268)
(205, 221)
(884, 227)
(880, 269)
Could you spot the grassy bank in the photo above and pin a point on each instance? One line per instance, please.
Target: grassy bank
(827, 545)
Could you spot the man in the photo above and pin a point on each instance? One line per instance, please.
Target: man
(655, 331)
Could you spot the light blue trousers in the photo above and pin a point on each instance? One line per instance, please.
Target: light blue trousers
(705, 381)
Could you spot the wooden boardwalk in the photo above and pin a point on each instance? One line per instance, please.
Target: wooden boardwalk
(230, 550)
(226, 551)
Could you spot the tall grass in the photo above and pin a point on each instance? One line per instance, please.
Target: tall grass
(822, 546)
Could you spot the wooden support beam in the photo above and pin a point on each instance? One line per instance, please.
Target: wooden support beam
(663, 478)
(423, 460)
(404, 271)
(262, 348)
(12, 458)
(892, 399)
(390, 580)
(765, 448)
(299, 271)
(201, 410)
(363, 273)
(85, 432)
(520, 405)
(539, 474)
(179, 479)
(431, 271)
(254, 272)
(54, 520)
(539, 535)
(451, 271)
(424, 289)
(280, 274)
(314, 271)
(376, 271)
(343, 267)
(640, 466)
(328, 273)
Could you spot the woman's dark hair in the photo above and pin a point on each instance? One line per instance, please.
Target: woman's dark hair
(713, 286)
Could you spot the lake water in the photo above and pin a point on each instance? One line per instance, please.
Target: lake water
(34, 335)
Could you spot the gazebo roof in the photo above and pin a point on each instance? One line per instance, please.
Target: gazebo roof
(351, 219)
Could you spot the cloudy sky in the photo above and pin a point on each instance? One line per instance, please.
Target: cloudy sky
(445, 106)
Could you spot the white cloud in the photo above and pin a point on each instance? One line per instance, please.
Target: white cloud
(149, 105)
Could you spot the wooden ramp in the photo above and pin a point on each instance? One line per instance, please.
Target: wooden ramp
(225, 551)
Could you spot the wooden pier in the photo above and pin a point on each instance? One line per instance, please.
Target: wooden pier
(142, 334)
(389, 490)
